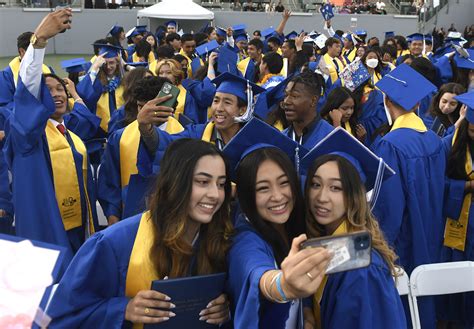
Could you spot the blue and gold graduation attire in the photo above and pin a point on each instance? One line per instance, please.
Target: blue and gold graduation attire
(334, 65)
(248, 68)
(119, 163)
(39, 156)
(312, 134)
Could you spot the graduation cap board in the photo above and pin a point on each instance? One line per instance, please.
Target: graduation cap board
(271, 97)
(241, 37)
(320, 41)
(239, 29)
(116, 29)
(227, 60)
(326, 11)
(171, 23)
(221, 32)
(268, 32)
(464, 58)
(132, 32)
(256, 135)
(468, 100)
(389, 34)
(292, 35)
(207, 48)
(109, 50)
(405, 86)
(141, 28)
(354, 75)
(415, 37)
(75, 65)
(372, 169)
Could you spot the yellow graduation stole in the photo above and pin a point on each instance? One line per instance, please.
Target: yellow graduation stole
(455, 231)
(128, 146)
(151, 58)
(278, 125)
(332, 68)
(207, 134)
(190, 69)
(403, 52)
(181, 101)
(350, 54)
(342, 229)
(348, 128)
(410, 121)
(284, 69)
(141, 271)
(103, 107)
(242, 65)
(66, 184)
(93, 58)
(15, 67)
(152, 67)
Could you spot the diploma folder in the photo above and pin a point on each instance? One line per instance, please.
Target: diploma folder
(190, 295)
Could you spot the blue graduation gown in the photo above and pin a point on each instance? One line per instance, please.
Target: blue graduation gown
(116, 120)
(409, 206)
(7, 87)
(37, 215)
(314, 134)
(364, 298)
(96, 278)
(202, 93)
(5, 191)
(423, 110)
(82, 122)
(249, 258)
(372, 114)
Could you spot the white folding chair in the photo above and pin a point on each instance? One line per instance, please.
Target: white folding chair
(403, 287)
(436, 279)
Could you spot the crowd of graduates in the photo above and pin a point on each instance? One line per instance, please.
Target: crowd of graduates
(274, 138)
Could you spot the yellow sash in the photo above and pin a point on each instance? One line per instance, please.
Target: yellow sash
(151, 57)
(403, 52)
(207, 134)
(93, 58)
(181, 101)
(15, 67)
(152, 66)
(141, 271)
(278, 125)
(351, 54)
(342, 229)
(332, 68)
(190, 69)
(284, 69)
(129, 143)
(103, 107)
(456, 230)
(409, 120)
(243, 64)
(66, 184)
(348, 128)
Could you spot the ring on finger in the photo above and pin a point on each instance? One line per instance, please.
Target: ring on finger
(309, 275)
(156, 113)
(147, 310)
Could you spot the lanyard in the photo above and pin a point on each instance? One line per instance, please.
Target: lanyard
(300, 141)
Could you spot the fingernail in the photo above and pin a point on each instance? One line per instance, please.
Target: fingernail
(167, 298)
(165, 318)
(171, 314)
(202, 313)
(202, 318)
(209, 305)
(172, 305)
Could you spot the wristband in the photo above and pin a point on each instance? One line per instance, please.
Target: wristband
(280, 290)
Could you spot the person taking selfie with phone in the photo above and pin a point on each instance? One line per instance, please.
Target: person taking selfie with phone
(268, 273)
(339, 172)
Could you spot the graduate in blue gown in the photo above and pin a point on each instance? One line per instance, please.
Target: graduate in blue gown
(409, 207)
(459, 230)
(335, 196)
(267, 271)
(301, 96)
(186, 232)
(6, 205)
(53, 190)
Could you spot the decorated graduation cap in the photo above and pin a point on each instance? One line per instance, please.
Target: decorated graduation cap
(326, 11)
(221, 31)
(109, 50)
(354, 75)
(132, 32)
(389, 34)
(75, 65)
(256, 135)
(415, 37)
(171, 23)
(372, 169)
(464, 58)
(116, 29)
(405, 86)
(229, 83)
(468, 100)
(292, 35)
(207, 48)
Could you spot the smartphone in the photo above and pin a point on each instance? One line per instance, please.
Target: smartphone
(169, 89)
(350, 251)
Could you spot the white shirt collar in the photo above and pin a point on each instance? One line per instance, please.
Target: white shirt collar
(56, 123)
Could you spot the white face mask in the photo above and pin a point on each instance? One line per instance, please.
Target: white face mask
(372, 63)
(387, 112)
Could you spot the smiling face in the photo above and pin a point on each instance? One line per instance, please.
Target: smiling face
(274, 198)
(326, 197)
(110, 66)
(59, 95)
(208, 190)
(225, 108)
(447, 103)
(416, 47)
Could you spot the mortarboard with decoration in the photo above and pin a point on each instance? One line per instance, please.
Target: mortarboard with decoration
(354, 75)
(468, 100)
(405, 86)
(326, 11)
(75, 65)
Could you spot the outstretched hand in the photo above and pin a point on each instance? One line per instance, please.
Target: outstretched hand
(53, 24)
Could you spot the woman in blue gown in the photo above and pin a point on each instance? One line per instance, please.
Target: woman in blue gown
(185, 232)
(335, 197)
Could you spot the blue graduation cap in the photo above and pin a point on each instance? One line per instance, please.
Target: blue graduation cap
(221, 32)
(354, 75)
(256, 135)
(405, 86)
(207, 48)
(132, 32)
(468, 100)
(116, 29)
(428, 38)
(138, 64)
(326, 11)
(75, 65)
(271, 97)
(463, 61)
(227, 60)
(389, 34)
(372, 169)
(141, 28)
(415, 37)
(360, 32)
(268, 32)
(109, 50)
(171, 23)
(235, 85)
(239, 29)
(292, 35)
(241, 37)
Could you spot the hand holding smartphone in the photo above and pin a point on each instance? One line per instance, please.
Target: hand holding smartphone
(169, 89)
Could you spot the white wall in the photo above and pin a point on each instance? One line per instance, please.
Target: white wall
(459, 12)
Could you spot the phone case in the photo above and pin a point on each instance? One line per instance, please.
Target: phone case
(350, 251)
(169, 89)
